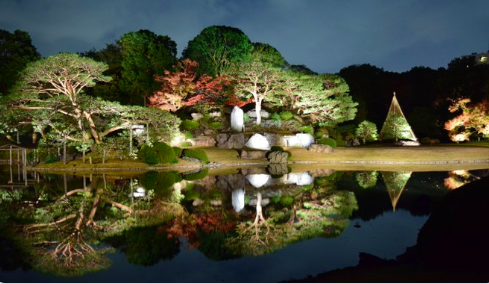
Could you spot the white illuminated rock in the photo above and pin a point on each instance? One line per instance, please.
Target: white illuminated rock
(237, 119)
(305, 139)
(238, 199)
(299, 178)
(140, 192)
(258, 180)
(259, 142)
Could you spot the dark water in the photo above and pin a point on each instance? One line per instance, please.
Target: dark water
(196, 227)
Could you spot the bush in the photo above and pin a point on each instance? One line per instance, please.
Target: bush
(165, 153)
(148, 155)
(197, 154)
(196, 176)
(286, 115)
(246, 118)
(340, 143)
(215, 125)
(276, 148)
(178, 151)
(188, 135)
(425, 140)
(328, 141)
(189, 124)
(307, 129)
(275, 117)
(50, 159)
(318, 135)
(186, 144)
(286, 201)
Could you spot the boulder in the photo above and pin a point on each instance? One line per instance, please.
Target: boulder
(277, 169)
(203, 141)
(230, 141)
(305, 139)
(259, 142)
(253, 155)
(237, 119)
(319, 148)
(263, 113)
(275, 139)
(278, 157)
(230, 182)
(197, 116)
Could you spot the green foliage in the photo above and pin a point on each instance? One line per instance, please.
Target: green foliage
(319, 135)
(246, 118)
(367, 131)
(286, 201)
(144, 55)
(178, 151)
(50, 159)
(289, 154)
(215, 48)
(396, 127)
(286, 115)
(160, 182)
(165, 153)
(186, 144)
(148, 155)
(188, 135)
(189, 124)
(197, 154)
(275, 117)
(340, 143)
(308, 129)
(276, 148)
(196, 176)
(328, 141)
(215, 125)
(366, 179)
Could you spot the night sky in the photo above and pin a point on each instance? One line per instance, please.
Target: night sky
(324, 35)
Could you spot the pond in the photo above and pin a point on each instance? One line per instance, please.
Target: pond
(240, 225)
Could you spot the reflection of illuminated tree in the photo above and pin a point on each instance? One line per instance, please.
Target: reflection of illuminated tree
(326, 216)
(458, 178)
(395, 183)
(366, 179)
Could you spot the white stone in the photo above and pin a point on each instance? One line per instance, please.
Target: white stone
(292, 141)
(197, 116)
(259, 142)
(303, 178)
(238, 199)
(237, 119)
(197, 202)
(306, 139)
(258, 180)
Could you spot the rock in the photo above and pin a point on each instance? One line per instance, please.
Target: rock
(258, 180)
(319, 148)
(197, 116)
(238, 199)
(305, 139)
(253, 155)
(230, 141)
(277, 169)
(278, 157)
(263, 113)
(237, 119)
(230, 182)
(197, 202)
(303, 178)
(292, 141)
(258, 141)
(275, 139)
(203, 141)
(253, 170)
(216, 202)
(407, 143)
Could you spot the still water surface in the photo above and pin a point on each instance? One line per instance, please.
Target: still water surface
(244, 226)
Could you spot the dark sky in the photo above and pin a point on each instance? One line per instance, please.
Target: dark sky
(324, 35)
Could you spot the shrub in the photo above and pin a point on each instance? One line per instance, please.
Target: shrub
(425, 140)
(148, 155)
(276, 148)
(215, 125)
(340, 143)
(367, 131)
(246, 118)
(165, 153)
(318, 135)
(286, 115)
(286, 201)
(275, 117)
(178, 151)
(186, 144)
(50, 159)
(196, 176)
(197, 154)
(188, 135)
(189, 124)
(328, 141)
(307, 129)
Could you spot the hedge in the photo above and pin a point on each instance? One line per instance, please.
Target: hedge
(197, 154)
(327, 141)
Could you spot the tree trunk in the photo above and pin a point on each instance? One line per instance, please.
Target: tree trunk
(258, 111)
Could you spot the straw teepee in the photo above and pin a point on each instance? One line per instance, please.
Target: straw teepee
(396, 125)
(395, 183)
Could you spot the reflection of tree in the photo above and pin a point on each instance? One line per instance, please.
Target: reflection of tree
(458, 178)
(366, 179)
(395, 183)
(325, 216)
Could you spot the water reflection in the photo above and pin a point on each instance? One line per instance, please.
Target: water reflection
(68, 225)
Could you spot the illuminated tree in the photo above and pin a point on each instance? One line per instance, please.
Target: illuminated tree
(367, 131)
(366, 179)
(144, 55)
(473, 119)
(50, 97)
(216, 48)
